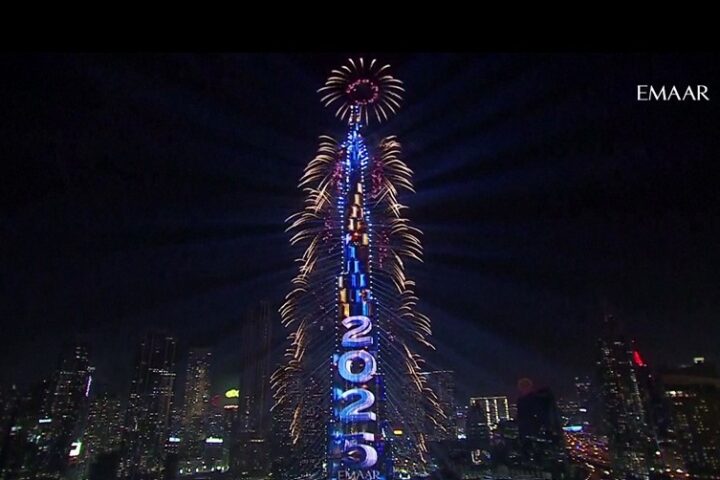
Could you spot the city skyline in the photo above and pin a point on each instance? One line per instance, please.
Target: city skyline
(514, 278)
(219, 383)
(225, 377)
(627, 417)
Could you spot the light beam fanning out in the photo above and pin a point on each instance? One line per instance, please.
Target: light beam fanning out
(355, 335)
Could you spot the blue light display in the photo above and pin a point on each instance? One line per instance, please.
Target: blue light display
(356, 447)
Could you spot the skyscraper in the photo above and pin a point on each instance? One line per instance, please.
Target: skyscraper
(442, 384)
(283, 445)
(292, 456)
(631, 440)
(477, 426)
(23, 444)
(568, 408)
(540, 430)
(148, 413)
(196, 405)
(584, 393)
(351, 311)
(45, 425)
(693, 393)
(406, 428)
(252, 453)
(490, 410)
(8, 403)
(62, 418)
(103, 431)
(461, 414)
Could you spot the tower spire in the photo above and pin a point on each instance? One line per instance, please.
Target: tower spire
(354, 331)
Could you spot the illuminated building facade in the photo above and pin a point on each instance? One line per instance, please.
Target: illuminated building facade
(284, 449)
(406, 430)
(568, 409)
(251, 453)
(461, 414)
(8, 405)
(196, 406)
(230, 424)
(693, 394)
(489, 411)
(61, 422)
(352, 311)
(22, 440)
(442, 383)
(147, 420)
(584, 393)
(255, 361)
(103, 429)
(631, 443)
(295, 457)
(44, 426)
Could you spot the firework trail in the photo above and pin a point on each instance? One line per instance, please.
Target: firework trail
(351, 290)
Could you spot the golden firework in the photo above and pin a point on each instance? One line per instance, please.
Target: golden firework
(362, 90)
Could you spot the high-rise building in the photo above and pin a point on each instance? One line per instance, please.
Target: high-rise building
(484, 414)
(252, 453)
(540, 430)
(352, 311)
(147, 419)
(477, 428)
(461, 413)
(294, 456)
(175, 428)
(103, 431)
(631, 440)
(22, 445)
(404, 431)
(490, 411)
(693, 393)
(8, 403)
(196, 409)
(568, 409)
(283, 443)
(442, 384)
(584, 394)
(60, 426)
(513, 410)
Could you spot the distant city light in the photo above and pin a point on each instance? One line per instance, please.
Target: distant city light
(397, 432)
(174, 440)
(232, 393)
(573, 428)
(638, 359)
(45, 420)
(214, 440)
(75, 448)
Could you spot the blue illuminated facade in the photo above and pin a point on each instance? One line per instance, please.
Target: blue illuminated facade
(357, 447)
(355, 335)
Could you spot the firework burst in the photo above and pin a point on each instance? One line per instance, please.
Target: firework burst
(364, 90)
(355, 243)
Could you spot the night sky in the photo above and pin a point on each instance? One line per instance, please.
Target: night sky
(145, 191)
